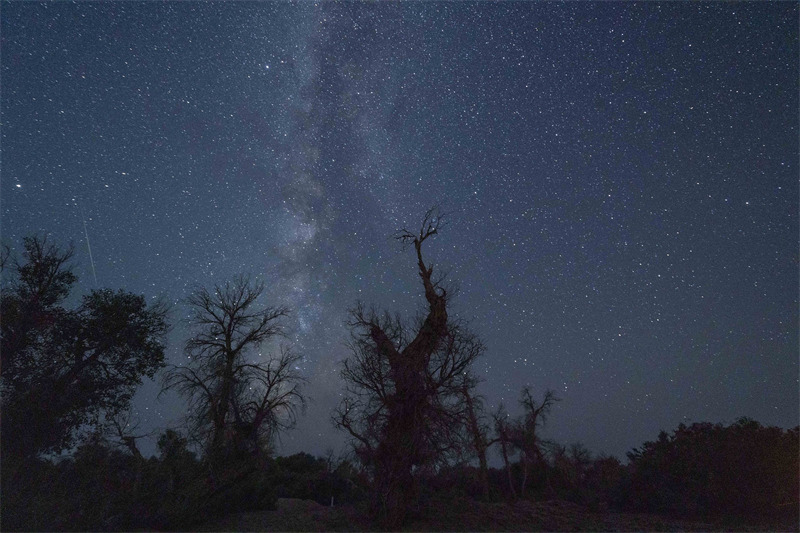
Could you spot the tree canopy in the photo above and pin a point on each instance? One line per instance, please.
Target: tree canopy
(64, 369)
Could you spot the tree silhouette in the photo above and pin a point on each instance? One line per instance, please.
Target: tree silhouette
(404, 405)
(477, 430)
(504, 431)
(65, 369)
(240, 398)
(522, 435)
(526, 432)
(744, 468)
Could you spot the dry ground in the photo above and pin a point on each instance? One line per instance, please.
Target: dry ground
(305, 515)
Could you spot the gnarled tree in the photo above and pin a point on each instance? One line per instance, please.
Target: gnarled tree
(240, 398)
(404, 404)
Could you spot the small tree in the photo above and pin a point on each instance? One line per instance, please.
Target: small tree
(526, 433)
(240, 398)
(522, 435)
(64, 369)
(503, 428)
(477, 430)
(120, 431)
(404, 404)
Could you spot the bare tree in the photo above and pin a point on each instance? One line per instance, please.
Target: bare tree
(572, 462)
(522, 435)
(526, 436)
(504, 430)
(404, 405)
(123, 429)
(477, 430)
(240, 397)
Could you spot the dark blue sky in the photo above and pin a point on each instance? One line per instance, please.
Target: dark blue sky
(622, 182)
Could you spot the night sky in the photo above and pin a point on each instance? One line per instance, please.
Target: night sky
(621, 181)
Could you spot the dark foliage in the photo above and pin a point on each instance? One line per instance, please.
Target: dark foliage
(306, 477)
(99, 489)
(102, 488)
(63, 369)
(741, 469)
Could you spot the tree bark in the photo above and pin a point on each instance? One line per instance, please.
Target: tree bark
(507, 463)
(478, 442)
(404, 445)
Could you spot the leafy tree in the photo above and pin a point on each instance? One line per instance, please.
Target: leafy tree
(63, 369)
(404, 405)
(744, 468)
(240, 398)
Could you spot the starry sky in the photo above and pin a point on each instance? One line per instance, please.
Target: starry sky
(621, 181)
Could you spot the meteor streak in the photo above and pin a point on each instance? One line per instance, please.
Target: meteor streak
(89, 247)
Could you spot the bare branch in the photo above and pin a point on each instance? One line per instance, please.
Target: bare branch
(5, 256)
(233, 397)
(123, 426)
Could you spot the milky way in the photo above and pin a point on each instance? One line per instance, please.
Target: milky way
(620, 178)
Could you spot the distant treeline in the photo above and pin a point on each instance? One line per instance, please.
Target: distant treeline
(743, 471)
